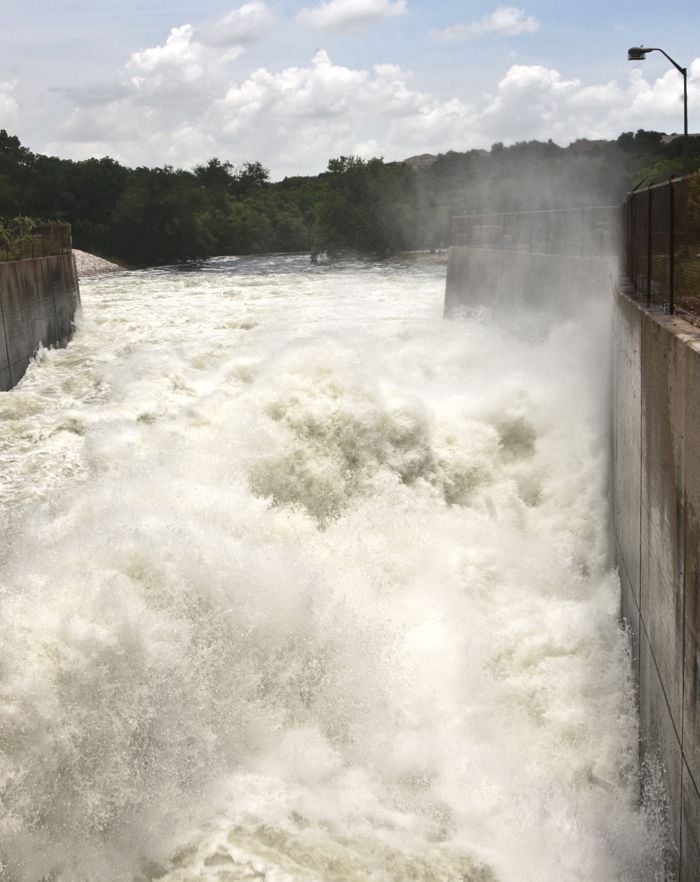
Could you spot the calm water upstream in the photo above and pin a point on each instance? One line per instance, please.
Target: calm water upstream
(301, 582)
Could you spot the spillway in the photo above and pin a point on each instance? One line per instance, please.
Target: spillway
(301, 582)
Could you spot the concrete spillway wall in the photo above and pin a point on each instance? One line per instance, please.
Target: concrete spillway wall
(38, 299)
(656, 516)
(505, 279)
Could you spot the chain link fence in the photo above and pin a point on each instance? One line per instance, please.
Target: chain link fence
(662, 245)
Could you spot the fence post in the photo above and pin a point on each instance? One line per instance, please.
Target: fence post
(630, 216)
(649, 191)
(671, 250)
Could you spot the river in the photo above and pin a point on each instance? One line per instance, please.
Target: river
(302, 582)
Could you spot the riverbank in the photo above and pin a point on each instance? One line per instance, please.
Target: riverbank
(91, 265)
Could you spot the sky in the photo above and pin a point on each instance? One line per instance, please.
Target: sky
(295, 83)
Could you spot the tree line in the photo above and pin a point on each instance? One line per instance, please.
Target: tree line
(157, 216)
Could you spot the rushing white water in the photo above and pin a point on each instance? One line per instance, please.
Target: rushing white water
(302, 582)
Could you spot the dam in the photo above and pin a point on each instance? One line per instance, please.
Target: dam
(39, 295)
(304, 582)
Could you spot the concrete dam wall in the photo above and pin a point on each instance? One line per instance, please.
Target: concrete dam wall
(505, 279)
(656, 517)
(38, 299)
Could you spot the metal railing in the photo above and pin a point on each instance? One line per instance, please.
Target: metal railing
(662, 245)
(588, 232)
(44, 240)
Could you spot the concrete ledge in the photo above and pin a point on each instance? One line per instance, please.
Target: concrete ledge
(38, 299)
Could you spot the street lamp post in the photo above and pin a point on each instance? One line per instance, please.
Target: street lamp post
(639, 53)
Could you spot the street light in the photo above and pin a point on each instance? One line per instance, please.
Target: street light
(639, 53)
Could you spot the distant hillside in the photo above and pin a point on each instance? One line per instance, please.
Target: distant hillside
(423, 160)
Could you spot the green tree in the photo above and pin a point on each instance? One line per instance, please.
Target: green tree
(161, 217)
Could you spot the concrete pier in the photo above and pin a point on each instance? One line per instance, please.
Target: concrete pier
(38, 299)
(505, 279)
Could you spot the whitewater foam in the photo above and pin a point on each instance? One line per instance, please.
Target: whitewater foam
(304, 583)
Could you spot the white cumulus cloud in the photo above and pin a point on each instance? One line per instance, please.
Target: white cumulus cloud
(8, 104)
(179, 57)
(530, 103)
(535, 102)
(306, 115)
(239, 27)
(190, 52)
(339, 15)
(188, 99)
(506, 21)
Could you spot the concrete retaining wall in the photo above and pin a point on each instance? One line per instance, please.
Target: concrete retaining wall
(656, 518)
(38, 299)
(482, 276)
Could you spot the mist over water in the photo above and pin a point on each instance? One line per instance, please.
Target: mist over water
(302, 582)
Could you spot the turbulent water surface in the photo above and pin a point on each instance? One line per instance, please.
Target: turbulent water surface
(302, 582)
